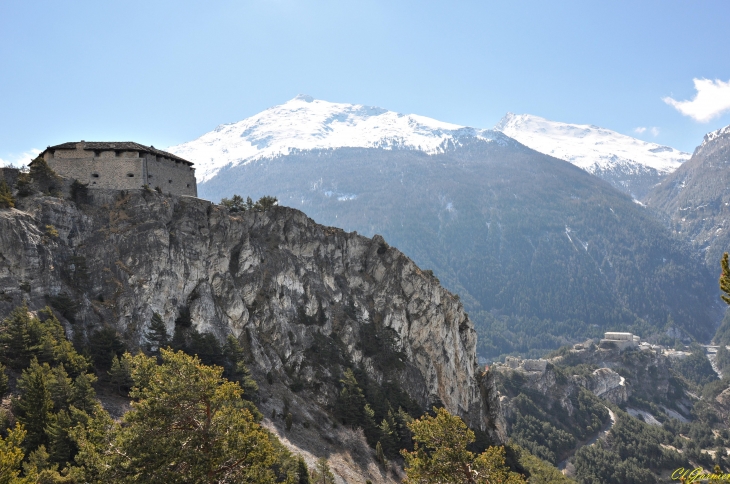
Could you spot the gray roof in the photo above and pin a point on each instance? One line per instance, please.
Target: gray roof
(116, 146)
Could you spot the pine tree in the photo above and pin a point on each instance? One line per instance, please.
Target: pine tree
(322, 473)
(3, 381)
(350, 405)
(35, 404)
(121, 374)
(302, 471)
(441, 454)
(725, 278)
(236, 369)
(6, 196)
(83, 396)
(388, 440)
(15, 337)
(23, 337)
(59, 442)
(234, 204)
(156, 335)
(11, 455)
(43, 176)
(180, 400)
(403, 433)
(379, 455)
(289, 421)
(60, 386)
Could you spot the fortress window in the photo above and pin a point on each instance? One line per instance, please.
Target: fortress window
(188, 185)
(95, 175)
(130, 175)
(170, 181)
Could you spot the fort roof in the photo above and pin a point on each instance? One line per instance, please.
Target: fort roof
(116, 146)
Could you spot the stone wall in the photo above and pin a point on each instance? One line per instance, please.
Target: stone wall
(120, 173)
(171, 176)
(124, 170)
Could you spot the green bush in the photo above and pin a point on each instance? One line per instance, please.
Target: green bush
(6, 196)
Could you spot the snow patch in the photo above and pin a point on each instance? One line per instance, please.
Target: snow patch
(305, 123)
(589, 147)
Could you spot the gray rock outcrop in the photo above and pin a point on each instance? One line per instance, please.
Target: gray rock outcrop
(276, 280)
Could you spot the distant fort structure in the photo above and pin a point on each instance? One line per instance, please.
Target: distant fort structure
(621, 340)
(122, 166)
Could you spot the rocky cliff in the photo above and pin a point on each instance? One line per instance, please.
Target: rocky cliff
(290, 290)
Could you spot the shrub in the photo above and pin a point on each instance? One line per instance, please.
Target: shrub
(6, 197)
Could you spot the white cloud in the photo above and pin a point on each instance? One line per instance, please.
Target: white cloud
(643, 129)
(712, 100)
(21, 159)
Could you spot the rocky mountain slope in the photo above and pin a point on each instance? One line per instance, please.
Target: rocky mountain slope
(540, 251)
(629, 164)
(305, 300)
(695, 199)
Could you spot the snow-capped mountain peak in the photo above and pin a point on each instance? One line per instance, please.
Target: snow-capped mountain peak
(305, 123)
(713, 135)
(590, 147)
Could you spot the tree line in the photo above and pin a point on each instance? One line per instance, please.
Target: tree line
(189, 422)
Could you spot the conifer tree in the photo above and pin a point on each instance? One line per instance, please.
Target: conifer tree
(6, 196)
(23, 337)
(35, 405)
(179, 400)
(350, 405)
(302, 471)
(60, 386)
(725, 278)
(3, 381)
(83, 396)
(379, 455)
(388, 438)
(11, 455)
(121, 374)
(236, 368)
(322, 473)
(156, 335)
(59, 442)
(43, 175)
(440, 454)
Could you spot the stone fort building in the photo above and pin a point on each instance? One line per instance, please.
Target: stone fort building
(122, 166)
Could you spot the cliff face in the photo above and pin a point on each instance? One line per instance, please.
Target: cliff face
(276, 280)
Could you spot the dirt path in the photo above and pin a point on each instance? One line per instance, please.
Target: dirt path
(601, 434)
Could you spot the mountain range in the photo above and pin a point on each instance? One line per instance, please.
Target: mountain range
(541, 252)
(305, 123)
(695, 199)
(629, 164)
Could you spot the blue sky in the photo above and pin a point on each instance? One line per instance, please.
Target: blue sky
(163, 73)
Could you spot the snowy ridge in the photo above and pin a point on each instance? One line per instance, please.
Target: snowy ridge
(713, 135)
(305, 123)
(589, 147)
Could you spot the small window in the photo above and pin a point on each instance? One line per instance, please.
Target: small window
(170, 181)
(149, 176)
(95, 175)
(130, 175)
(187, 185)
